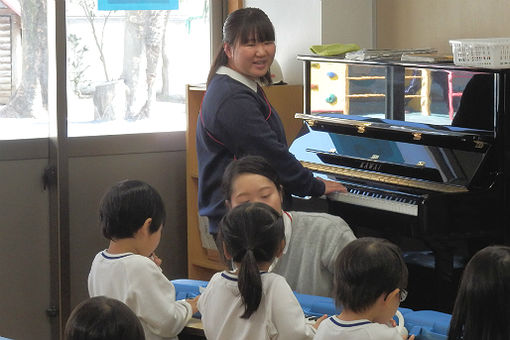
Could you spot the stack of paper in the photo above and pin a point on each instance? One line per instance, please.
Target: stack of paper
(385, 54)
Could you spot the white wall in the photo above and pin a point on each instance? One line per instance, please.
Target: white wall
(300, 24)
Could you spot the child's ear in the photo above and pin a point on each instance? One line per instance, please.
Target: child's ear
(392, 294)
(144, 229)
(146, 225)
(225, 252)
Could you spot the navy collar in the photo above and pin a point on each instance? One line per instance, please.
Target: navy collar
(114, 257)
(354, 324)
(233, 277)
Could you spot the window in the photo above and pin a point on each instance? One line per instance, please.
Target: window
(24, 70)
(127, 70)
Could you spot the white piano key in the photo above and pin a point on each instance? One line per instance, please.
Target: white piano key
(393, 204)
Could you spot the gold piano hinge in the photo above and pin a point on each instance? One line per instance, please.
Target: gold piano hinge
(310, 122)
(420, 163)
(361, 128)
(479, 144)
(416, 136)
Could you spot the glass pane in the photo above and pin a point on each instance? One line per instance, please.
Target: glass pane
(427, 96)
(23, 70)
(127, 70)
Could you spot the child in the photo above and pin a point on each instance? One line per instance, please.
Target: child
(249, 302)
(312, 240)
(482, 307)
(132, 216)
(370, 281)
(102, 318)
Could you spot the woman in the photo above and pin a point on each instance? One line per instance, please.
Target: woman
(312, 240)
(236, 119)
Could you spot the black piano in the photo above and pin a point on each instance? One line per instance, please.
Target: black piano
(423, 149)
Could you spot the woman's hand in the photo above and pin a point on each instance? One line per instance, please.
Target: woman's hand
(193, 302)
(319, 320)
(332, 186)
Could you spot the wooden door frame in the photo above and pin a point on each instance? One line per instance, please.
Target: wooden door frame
(234, 4)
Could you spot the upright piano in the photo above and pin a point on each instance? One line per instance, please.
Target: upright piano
(423, 149)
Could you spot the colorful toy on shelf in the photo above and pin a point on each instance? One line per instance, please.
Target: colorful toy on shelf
(332, 99)
(332, 75)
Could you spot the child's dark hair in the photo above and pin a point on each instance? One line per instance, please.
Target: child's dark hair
(365, 269)
(482, 307)
(256, 165)
(102, 318)
(252, 233)
(126, 207)
(240, 26)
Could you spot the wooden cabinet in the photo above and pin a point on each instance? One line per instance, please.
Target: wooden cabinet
(203, 261)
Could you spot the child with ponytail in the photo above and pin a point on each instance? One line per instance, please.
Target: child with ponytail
(249, 302)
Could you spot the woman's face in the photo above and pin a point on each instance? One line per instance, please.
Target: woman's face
(255, 188)
(251, 59)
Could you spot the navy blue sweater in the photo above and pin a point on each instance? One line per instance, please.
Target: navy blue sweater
(235, 122)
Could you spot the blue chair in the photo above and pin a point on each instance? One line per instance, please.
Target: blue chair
(428, 324)
(424, 324)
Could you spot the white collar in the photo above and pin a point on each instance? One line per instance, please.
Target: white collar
(287, 223)
(252, 84)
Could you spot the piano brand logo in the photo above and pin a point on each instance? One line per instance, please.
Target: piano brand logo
(370, 166)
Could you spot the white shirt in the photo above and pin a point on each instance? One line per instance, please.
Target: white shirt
(334, 328)
(279, 315)
(139, 283)
(252, 84)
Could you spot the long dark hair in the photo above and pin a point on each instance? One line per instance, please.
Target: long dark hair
(103, 318)
(252, 233)
(482, 307)
(365, 269)
(239, 27)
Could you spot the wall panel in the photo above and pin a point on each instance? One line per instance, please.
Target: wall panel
(431, 23)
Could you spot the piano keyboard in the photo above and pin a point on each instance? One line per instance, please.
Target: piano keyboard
(393, 201)
(383, 178)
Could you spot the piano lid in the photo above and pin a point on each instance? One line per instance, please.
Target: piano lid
(402, 131)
